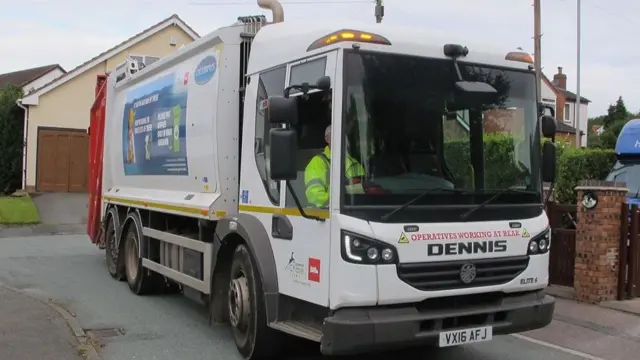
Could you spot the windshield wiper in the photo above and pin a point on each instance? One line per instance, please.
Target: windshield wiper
(466, 215)
(387, 216)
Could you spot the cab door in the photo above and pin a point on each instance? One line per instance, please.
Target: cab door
(303, 245)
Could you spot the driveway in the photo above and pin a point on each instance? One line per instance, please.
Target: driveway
(60, 214)
(62, 208)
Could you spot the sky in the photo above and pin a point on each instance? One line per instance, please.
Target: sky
(69, 32)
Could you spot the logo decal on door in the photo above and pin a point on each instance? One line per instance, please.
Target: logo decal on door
(313, 272)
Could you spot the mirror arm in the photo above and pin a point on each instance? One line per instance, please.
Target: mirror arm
(455, 65)
(304, 88)
(299, 206)
(551, 186)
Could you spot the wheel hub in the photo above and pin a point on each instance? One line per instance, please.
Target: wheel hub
(239, 302)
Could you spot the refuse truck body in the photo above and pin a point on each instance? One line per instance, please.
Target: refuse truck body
(211, 175)
(627, 167)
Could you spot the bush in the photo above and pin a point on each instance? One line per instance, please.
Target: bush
(574, 164)
(581, 164)
(11, 140)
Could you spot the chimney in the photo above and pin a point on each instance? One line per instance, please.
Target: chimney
(560, 79)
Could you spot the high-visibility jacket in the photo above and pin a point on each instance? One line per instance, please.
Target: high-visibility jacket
(316, 177)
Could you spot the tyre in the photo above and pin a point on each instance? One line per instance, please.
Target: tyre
(111, 248)
(141, 281)
(247, 311)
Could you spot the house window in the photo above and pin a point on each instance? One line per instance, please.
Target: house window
(148, 60)
(567, 111)
(145, 60)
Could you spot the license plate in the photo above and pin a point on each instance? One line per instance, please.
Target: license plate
(466, 336)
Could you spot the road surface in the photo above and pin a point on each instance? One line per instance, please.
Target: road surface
(72, 271)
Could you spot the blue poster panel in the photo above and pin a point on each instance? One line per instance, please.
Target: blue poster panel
(154, 128)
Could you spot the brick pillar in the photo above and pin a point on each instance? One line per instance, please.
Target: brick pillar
(598, 242)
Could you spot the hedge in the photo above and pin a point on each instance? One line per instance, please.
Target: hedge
(574, 164)
(11, 140)
(581, 164)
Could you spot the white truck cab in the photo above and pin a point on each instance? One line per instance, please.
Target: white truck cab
(439, 238)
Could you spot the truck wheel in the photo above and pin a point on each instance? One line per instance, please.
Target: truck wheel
(247, 311)
(111, 248)
(140, 280)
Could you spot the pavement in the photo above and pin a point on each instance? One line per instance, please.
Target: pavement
(123, 326)
(631, 306)
(30, 329)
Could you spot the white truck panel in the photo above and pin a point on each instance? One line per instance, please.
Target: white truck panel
(171, 132)
(363, 285)
(292, 38)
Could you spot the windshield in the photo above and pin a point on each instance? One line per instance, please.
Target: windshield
(629, 174)
(411, 132)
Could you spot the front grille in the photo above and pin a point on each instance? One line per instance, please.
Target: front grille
(445, 275)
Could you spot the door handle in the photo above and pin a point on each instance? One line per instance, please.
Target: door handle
(281, 227)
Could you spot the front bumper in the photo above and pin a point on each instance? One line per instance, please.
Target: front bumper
(360, 330)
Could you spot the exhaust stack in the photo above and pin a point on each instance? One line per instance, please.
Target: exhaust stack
(276, 9)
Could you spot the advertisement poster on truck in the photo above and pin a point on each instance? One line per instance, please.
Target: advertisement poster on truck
(154, 127)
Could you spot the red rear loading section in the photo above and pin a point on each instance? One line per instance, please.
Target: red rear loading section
(96, 147)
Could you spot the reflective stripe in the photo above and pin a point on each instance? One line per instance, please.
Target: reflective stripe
(316, 182)
(327, 171)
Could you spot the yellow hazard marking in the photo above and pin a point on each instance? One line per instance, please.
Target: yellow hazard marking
(525, 233)
(403, 239)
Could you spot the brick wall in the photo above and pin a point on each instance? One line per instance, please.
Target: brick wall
(597, 242)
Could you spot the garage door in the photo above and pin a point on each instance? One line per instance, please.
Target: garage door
(63, 156)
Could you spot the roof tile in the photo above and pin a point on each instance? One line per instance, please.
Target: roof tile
(23, 77)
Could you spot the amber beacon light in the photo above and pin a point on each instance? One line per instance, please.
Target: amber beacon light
(348, 35)
(519, 56)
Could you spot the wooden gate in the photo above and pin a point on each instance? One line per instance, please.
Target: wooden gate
(629, 256)
(62, 160)
(563, 221)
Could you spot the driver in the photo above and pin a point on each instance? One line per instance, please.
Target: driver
(316, 174)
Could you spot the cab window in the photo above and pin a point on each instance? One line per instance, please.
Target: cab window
(271, 82)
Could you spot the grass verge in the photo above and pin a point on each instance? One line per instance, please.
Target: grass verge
(18, 210)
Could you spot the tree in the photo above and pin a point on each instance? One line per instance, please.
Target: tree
(11, 139)
(613, 122)
(616, 112)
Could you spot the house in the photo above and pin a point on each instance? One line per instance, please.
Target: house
(57, 113)
(30, 79)
(597, 129)
(555, 93)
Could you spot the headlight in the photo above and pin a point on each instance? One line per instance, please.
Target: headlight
(358, 249)
(540, 243)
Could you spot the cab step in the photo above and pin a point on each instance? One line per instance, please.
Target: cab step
(309, 331)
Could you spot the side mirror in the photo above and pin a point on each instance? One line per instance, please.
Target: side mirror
(544, 109)
(282, 162)
(475, 93)
(548, 162)
(324, 83)
(548, 126)
(281, 110)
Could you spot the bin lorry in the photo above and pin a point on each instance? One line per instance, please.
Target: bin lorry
(627, 167)
(207, 166)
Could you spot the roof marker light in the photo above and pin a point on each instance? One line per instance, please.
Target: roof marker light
(348, 35)
(519, 56)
